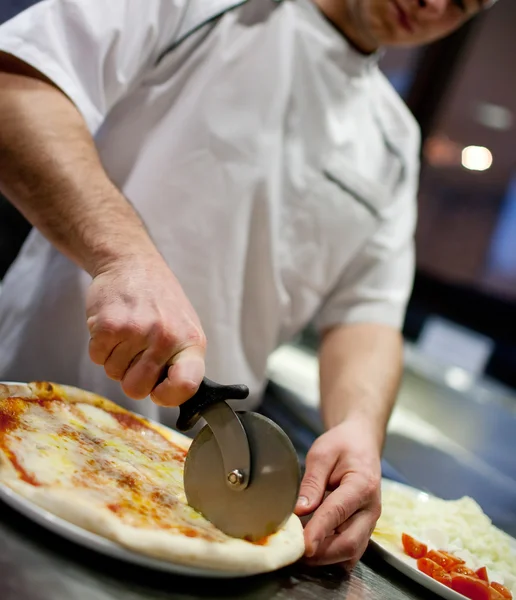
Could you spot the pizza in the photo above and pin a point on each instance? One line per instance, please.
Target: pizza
(89, 461)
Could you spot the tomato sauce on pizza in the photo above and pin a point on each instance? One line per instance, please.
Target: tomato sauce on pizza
(101, 450)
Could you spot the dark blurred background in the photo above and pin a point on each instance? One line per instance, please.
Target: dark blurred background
(463, 93)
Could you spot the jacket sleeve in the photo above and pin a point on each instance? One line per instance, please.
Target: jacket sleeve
(93, 50)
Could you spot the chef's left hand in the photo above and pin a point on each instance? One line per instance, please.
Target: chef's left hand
(345, 461)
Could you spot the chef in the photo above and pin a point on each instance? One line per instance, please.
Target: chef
(205, 178)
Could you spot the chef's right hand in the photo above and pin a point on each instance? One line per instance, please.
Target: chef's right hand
(142, 326)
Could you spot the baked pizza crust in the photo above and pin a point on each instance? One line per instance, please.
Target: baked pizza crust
(224, 553)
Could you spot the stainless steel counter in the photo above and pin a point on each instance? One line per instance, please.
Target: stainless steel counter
(38, 565)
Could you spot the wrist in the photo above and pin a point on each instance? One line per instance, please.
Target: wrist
(122, 256)
(369, 427)
(118, 243)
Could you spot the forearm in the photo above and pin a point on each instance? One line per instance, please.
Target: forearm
(50, 170)
(360, 371)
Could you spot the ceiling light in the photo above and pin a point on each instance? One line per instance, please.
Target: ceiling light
(476, 158)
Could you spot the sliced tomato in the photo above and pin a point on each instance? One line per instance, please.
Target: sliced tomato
(501, 589)
(482, 574)
(463, 570)
(456, 560)
(429, 567)
(494, 595)
(435, 571)
(444, 578)
(446, 562)
(412, 547)
(471, 587)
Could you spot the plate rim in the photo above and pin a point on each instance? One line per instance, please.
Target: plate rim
(102, 545)
(405, 567)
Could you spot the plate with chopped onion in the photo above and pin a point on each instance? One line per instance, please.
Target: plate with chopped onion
(448, 546)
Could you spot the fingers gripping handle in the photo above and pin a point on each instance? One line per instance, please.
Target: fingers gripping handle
(208, 394)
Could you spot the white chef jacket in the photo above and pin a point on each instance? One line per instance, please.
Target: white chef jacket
(274, 166)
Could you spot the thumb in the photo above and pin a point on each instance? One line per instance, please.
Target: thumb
(184, 375)
(319, 466)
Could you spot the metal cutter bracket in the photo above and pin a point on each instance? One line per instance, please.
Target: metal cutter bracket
(209, 402)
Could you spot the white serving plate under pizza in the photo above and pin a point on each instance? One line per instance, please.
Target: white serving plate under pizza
(406, 565)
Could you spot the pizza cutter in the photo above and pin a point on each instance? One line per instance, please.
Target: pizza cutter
(242, 472)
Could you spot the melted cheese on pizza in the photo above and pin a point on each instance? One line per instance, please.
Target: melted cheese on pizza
(106, 454)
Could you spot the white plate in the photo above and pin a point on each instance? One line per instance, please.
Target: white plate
(100, 544)
(400, 561)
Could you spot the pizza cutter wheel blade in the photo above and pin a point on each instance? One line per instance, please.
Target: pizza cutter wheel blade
(242, 472)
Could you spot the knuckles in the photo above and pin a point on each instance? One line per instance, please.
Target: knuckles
(195, 337)
(338, 513)
(371, 487)
(319, 454)
(376, 511)
(163, 337)
(351, 549)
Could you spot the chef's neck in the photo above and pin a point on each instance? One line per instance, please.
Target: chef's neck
(345, 15)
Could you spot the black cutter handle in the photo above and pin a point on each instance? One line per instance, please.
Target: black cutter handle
(208, 394)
